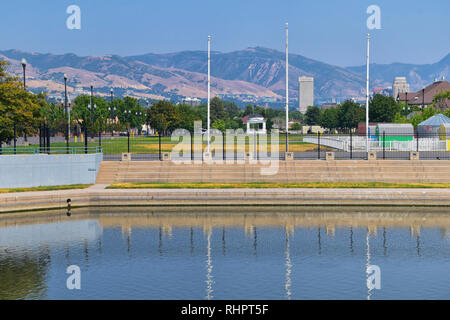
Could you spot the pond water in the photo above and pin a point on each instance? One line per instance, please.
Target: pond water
(226, 253)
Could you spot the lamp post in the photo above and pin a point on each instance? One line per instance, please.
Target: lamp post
(423, 98)
(67, 112)
(406, 98)
(92, 103)
(24, 66)
(128, 113)
(139, 115)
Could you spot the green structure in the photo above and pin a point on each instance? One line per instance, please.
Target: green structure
(389, 132)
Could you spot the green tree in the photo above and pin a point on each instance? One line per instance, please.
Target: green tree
(17, 106)
(329, 119)
(217, 109)
(163, 116)
(383, 109)
(441, 100)
(296, 115)
(312, 115)
(296, 126)
(233, 124)
(231, 109)
(81, 112)
(219, 124)
(187, 116)
(349, 114)
(249, 110)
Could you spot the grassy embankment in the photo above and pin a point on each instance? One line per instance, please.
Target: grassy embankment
(46, 188)
(262, 185)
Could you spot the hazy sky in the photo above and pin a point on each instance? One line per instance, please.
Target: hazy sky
(332, 31)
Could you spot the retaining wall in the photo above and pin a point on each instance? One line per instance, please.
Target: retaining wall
(21, 171)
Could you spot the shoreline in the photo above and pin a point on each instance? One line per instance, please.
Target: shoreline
(98, 196)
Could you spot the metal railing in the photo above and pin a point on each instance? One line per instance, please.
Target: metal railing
(49, 150)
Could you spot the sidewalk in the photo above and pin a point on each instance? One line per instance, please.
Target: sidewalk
(97, 195)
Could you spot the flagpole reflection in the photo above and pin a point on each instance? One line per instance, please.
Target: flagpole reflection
(209, 267)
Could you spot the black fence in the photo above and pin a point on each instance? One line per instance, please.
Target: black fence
(388, 145)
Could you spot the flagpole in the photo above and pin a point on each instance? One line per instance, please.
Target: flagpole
(287, 87)
(209, 88)
(367, 92)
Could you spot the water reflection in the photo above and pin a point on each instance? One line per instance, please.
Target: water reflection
(242, 254)
(209, 267)
(287, 285)
(369, 290)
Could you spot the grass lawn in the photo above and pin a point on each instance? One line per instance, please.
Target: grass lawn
(48, 188)
(262, 185)
(119, 144)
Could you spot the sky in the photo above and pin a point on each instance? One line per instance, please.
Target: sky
(331, 31)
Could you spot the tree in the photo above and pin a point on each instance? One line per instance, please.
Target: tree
(296, 126)
(233, 124)
(163, 116)
(383, 109)
(349, 114)
(217, 110)
(231, 109)
(312, 115)
(440, 101)
(17, 106)
(248, 110)
(82, 113)
(296, 115)
(329, 119)
(188, 116)
(219, 124)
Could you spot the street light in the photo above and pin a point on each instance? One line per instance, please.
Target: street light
(92, 102)
(423, 98)
(128, 113)
(139, 115)
(92, 120)
(24, 66)
(67, 112)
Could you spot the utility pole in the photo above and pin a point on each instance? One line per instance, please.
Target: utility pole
(287, 88)
(209, 88)
(367, 93)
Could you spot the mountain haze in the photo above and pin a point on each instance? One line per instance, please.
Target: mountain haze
(418, 76)
(253, 71)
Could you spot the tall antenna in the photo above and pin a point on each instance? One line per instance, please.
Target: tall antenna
(287, 85)
(209, 87)
(367, 93)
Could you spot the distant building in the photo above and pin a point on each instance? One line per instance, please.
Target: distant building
(399, 86)
(191, 101)
(431, 127)
(424, 97)
(78, 91)
(257, 121)
(312, 129)
(306, 93)
(328, 105)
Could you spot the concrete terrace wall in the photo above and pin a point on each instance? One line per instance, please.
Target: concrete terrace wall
(389, 171)
(18, 171)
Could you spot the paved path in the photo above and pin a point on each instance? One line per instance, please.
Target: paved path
(97, 195)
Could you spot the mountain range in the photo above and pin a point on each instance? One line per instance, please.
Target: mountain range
(255, 71)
